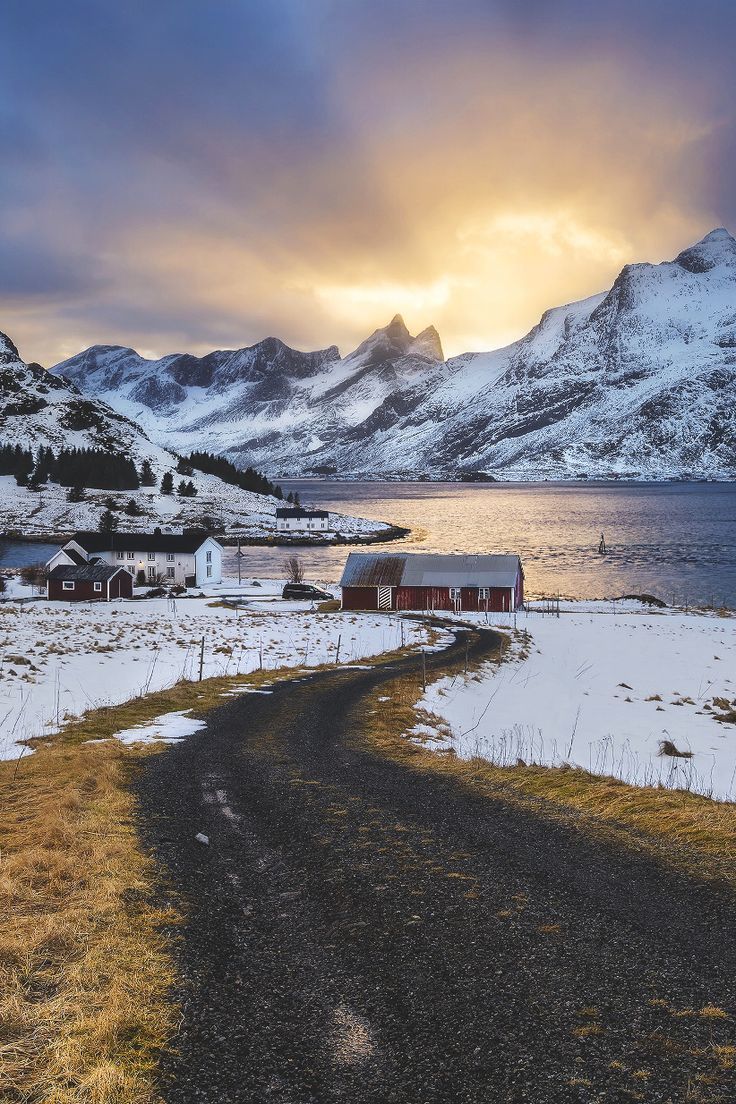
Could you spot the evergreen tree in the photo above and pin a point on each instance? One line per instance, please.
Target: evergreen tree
(132, 508)
(75, 494)
(296, 499)
(147, 476)
(108, 522)
(167, 483)
(248, 479)
(290, 498)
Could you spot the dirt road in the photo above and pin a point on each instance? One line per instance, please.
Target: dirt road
(361, 931)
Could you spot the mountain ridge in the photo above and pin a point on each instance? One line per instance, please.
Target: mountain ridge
(638, 380)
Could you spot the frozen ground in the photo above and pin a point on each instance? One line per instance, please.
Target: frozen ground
(601, 687)
(58, 659)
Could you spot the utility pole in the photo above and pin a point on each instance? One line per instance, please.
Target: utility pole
(239, 555)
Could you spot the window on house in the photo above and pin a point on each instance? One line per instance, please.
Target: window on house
(169, 573)
(131, 555)
(170, 556)
(152, 555)
(67, 586)
(121, 555)
(97, 587)
(209, 557)
(209, 571)
(483, 594)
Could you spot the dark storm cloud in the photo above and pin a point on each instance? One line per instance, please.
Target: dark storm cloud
(196, 173)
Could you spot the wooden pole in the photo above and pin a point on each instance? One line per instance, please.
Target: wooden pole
(424, 669)
(337, 651)
(467, 646)
(201, 659)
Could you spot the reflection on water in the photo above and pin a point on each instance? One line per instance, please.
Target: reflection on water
(675, 540)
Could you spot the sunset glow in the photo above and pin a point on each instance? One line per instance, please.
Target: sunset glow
(467, 165)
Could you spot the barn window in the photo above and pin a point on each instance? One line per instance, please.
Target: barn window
(67, 586)
(455, 594)
(484, 594)
(97, 587)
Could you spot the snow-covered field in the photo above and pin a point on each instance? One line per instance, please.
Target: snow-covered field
(57, 660)
(601, 687)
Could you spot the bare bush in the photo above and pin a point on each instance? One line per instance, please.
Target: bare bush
(294, 569)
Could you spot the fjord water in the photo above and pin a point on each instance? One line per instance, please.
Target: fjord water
(673, 540)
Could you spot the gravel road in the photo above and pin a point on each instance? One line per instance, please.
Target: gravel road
(362, 931)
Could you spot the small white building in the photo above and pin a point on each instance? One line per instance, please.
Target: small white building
(294, 519)
(191, 558)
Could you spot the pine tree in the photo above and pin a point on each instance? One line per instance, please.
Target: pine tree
(147, 476)
(108, 522)
(132, 508)
(167, 483)
(75, 493)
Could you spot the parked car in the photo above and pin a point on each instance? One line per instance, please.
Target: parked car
(306, 592)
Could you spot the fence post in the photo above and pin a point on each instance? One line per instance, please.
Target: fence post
(201, 659)
(424, 669)
(337, 651)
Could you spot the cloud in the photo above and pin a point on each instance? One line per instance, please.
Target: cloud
(178, 176)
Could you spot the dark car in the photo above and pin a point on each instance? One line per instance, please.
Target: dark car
(305, 592)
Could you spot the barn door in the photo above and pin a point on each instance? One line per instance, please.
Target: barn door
(384, 598)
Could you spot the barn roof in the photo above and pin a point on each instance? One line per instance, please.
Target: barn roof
(88, 572)
(141, 542)
(429, 569)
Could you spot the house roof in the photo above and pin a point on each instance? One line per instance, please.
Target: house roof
(142, 542)
(429, 569)
(297, 512)
(89, 573)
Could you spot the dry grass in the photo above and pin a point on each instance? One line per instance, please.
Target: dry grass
(702, 831)
(84, 970)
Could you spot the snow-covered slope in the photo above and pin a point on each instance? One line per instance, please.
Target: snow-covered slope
(39, 409)
(268, 404)
(638, 381)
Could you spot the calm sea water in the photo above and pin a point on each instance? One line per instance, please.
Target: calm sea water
(674, 540)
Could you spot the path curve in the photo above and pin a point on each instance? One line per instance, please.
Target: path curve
(364, 932)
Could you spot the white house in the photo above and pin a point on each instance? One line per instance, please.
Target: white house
(294, 519)
(188, 559)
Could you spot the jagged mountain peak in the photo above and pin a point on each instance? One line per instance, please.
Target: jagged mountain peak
(8, 351)
(428, 343)
(716, 249)
(394, 340)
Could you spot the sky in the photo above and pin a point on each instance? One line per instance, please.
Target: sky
(180, 175)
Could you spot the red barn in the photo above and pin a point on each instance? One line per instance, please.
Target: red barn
(88, 582)
(424, 581)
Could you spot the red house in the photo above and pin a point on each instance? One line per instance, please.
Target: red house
(424, 581)
(88, 582)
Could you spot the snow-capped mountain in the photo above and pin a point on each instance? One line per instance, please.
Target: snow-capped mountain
(42, 410)
(640, 381)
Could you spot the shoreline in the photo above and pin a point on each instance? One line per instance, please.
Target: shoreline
(231, 540)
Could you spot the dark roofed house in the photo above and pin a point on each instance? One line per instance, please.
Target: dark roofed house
(191, 558)
(425, 581)
(295, 519)
(88, 582)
